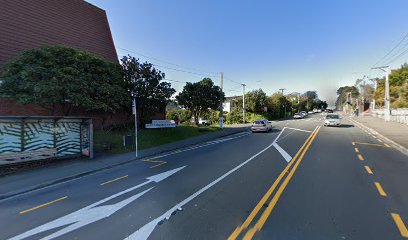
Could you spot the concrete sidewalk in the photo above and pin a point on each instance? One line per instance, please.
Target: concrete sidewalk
(394, 131)
(26, 181)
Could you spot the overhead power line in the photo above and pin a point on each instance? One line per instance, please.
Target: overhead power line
(167, 62)
(398, 57)
(392, 50)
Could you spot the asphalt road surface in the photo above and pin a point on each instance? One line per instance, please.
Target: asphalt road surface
(300, 181)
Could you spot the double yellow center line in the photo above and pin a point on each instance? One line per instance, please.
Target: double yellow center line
(261, 221)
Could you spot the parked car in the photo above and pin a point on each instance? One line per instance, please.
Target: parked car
(310, 112)
(298, 116)
(319, 110)
(261, 125)
(332, 119)
(329, 110)
(315, 110)
(204, 122)
(304, 113)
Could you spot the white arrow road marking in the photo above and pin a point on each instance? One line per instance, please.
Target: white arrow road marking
(145, 231)
(92, 213)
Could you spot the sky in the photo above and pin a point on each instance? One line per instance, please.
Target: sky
(296, 45)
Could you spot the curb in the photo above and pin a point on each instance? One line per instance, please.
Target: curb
(397, 146)
(87, 173)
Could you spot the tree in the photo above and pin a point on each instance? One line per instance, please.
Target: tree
(398, 88)
(201, 96)
(342, 93)
(310, 96)
(66, 77)
(276, 105)
(145, 83)
(255, 101)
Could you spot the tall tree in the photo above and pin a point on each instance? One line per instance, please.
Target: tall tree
(255, 101)
(200, 96)
(145, 83)
(67, 77)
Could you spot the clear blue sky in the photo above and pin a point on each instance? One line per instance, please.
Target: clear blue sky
(297, 45)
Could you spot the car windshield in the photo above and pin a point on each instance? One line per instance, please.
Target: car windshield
(332, 117)
(258, 122)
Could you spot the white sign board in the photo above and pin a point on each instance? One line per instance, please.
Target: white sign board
(161, 124)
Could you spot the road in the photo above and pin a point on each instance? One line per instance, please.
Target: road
(300, 181)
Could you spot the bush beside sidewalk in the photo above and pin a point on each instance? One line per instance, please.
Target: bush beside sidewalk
(33, 179)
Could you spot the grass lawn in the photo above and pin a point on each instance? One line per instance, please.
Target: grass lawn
(147, 137)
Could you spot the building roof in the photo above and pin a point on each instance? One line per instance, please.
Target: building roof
(26, 24)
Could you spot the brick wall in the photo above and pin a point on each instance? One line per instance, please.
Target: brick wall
(26, 24)
(10, 107)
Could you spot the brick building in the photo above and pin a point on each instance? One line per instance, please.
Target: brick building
(26, 24)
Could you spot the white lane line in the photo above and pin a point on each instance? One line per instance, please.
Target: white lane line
(145, 231)
(200, 146)
(284, 154)
(297, 129)
(93, 212)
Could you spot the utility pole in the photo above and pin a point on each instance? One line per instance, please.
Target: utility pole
(135, 112)
(283, 89)
(243, 103)
(221, 100)
(387, 109)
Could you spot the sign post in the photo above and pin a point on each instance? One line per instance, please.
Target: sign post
(135, 113)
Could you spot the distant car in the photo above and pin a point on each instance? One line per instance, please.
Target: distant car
(261, 125)
(319, 110)
(332, 119)
(204, 122)
(298, 116)
(315, 110)
(304, 113)
(329, 110)
(310, 112)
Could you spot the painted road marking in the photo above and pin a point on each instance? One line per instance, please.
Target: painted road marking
(239, 135)
(145, 231)
(371, 144)
(380, 189)
(368, 169)
(263, 200)
(155, 161)
(360, 157)
(43, 205)
(261, 221)
(356, 149)
(400, 224)
(114, 180)
(94, 212)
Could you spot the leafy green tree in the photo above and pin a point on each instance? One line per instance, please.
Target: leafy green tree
(66, 77)
(276, 105)
(200, 97)
(182, 114)
(145, 83)
(342, 93)
(398, 88)
(255, 101)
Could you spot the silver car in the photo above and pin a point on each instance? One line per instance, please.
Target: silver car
(262, 125)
